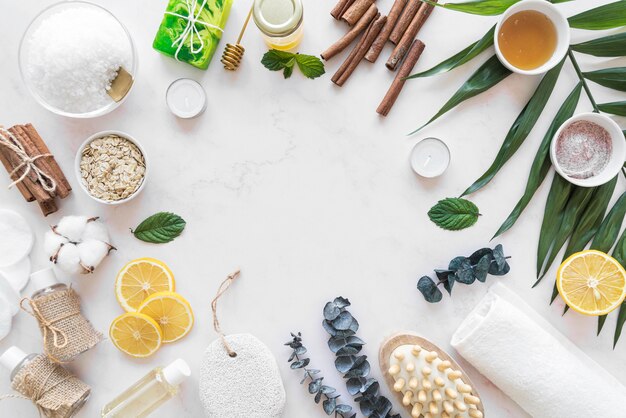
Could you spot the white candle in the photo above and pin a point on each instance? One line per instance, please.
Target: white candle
(186, 98)
(430, 157)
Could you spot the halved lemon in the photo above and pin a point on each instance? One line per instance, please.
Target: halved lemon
(592, 282)
(172, 312)
(136, 334)
(141, 278)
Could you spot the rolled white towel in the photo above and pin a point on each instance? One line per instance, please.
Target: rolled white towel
(533, 363)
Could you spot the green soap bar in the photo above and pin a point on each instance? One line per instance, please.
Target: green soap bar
(214, 12)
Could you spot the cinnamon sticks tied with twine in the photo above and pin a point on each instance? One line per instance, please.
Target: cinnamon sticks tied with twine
(32, 168)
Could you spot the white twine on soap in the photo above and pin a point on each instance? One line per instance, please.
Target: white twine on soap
(191, 30)
(8, 140)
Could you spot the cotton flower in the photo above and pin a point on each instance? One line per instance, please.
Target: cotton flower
(77, 244)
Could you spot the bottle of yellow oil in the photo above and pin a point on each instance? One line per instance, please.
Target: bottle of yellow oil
(280, 22)
(149, 393)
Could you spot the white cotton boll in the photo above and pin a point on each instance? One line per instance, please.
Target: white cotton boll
(52, 242)
(92, 252)
(72, 227)
(5, 318)
(97, 231)
(68, 259)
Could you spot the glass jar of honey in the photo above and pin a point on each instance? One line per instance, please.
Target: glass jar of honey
(280, 22)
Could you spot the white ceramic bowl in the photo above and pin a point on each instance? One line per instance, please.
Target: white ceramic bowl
(618, 154)
(79, 155)
(24, 51)
(562, 31)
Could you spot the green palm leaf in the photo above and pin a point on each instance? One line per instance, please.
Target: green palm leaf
(521, 127)
(613, 78)
(620, 255)
(614, 108)
(608, 16)
(478, 7)
(460, 58)
(488, 75)
(607, 46)
(541, 163)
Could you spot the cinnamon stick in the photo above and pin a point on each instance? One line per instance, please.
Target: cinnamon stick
(348, 67)
(64, 187)
(404, 21)
(356, 11)
(347, 39)
(405, 69)
(340, 8)
(407, 39)
(48, 207)
(28, 196)
(383, 36)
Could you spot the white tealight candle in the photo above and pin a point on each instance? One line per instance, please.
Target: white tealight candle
(430, 157)
(186, 98)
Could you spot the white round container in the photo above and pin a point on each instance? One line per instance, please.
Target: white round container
(79, 155)
(618, 154)
(562, 32)
(430, 157)
(186, 98)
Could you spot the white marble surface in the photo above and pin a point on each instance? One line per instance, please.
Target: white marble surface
(305, 188)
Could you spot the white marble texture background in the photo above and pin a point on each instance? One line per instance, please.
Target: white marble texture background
(305, 188)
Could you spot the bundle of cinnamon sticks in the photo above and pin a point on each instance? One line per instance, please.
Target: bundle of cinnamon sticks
(21, 146)
(400, 27)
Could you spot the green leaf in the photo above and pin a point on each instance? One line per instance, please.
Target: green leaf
(478, 7)
(541, 164)
(488, 75)
(160, 228)
(460, 58)
(620, 255)
(288, 70)
(607, 46)
(591, 218)
(275, 60)
(521, 127)
(310, 66)
(574, 210)
(613, 78)
(621, 320)
(555, 206)
(601, 321)
(454, 214)
(429, 290)
(608, 16)
(614, 108)
(609, 230)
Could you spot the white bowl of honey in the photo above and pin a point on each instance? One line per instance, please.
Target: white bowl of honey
(532, 37)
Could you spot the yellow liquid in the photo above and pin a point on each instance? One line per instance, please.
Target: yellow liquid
(286, 43)
(527, 39)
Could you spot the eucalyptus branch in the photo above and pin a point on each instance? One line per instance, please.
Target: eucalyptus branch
(582, 79)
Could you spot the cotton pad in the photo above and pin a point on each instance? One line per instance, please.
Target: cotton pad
(10, 298)
(18, 274)
(5, 318)
(246, 386)
(16, 238)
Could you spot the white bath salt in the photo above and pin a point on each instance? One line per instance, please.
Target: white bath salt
(74, 55)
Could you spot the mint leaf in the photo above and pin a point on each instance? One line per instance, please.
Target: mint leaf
(454, 214)
(160, 228)
(309, 65)
(312, 67)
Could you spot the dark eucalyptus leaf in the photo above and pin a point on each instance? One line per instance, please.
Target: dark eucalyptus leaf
(354, 385)
(328, 327)
(300, 363)
(498, 256)
(479, 254)
(327, 390)
(341, 302)
(482, 268)
(371, 387)
(318, 397)
(331, 311)
(447, 278)
(465, 273)
(494, 270)
(429, 289)
(315, 386)
(335, 344)
(343, 321)
(457, 262)
(367, 408)
(344, 363)
(343, 409)
(348, 351)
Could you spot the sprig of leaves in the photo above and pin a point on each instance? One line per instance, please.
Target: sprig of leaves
(342, 327)
(454, 214)
(309, 65)
(316, 386)
(160, 228)
(465, 270)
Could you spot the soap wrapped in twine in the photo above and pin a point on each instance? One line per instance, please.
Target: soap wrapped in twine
(66, 332)
(55, 391)
(216, 323)
(191, 32)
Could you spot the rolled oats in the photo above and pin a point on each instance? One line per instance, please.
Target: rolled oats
(112, 168)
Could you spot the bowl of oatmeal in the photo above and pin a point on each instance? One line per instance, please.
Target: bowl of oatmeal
(111, 167)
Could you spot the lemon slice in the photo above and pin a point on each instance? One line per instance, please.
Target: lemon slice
(141, 278)
(136, 334)
(172, 312)
(592, 282)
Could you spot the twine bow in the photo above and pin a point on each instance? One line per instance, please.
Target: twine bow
(216, 323)
(191, 31)
(48, 325)
(7, 139)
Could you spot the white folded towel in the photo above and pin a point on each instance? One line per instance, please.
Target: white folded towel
(533, 363)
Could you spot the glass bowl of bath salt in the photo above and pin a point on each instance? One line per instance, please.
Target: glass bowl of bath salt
(70, 56)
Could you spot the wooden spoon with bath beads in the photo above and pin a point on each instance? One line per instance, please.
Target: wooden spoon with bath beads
(426, 380)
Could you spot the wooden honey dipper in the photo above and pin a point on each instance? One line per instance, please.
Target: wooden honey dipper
(231, 58)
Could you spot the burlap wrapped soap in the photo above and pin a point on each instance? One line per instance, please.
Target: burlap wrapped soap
(191, 30)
